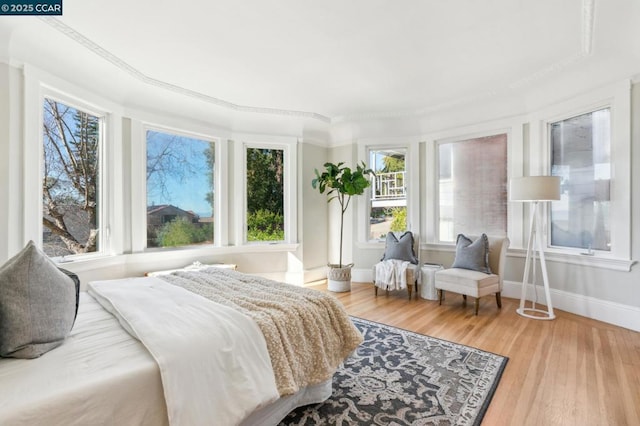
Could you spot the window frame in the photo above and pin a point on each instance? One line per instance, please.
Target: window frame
(412, 174)
(456, 140)
(141, 238)
(617, 97)
(369, 191)
(39, 85)
(514, 129)
(289, 147)
(147, 127)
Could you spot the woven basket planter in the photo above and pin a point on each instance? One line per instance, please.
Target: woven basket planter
(339, 278)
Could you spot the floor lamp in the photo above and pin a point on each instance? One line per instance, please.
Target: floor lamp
(535, 190)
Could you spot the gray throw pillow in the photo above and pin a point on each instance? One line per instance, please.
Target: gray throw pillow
(472, 255)
(400, 248)
(37, 304)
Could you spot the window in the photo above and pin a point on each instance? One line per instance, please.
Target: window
(581, 156)
(472, 187)
(388, 207)
(71, 191)
(265, 180)
(180, 190)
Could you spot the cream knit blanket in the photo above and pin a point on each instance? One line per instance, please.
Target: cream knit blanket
(308, 333)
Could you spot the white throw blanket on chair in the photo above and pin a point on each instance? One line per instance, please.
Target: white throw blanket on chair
(391, 274)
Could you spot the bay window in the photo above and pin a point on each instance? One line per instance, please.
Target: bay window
(265, 194)
(71, 179)
(265, 184)
(180, 189)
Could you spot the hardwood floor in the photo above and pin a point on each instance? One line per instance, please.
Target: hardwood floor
(569, 371)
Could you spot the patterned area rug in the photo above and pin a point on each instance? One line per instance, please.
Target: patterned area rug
(397, 377)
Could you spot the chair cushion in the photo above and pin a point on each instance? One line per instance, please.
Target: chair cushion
(38, 304)
(400, 248)
(465, 278)
(472, 255)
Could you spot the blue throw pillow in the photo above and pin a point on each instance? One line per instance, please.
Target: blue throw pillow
(400, 248)
(472, 255)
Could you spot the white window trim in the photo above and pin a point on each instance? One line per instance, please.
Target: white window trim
(618, 98)
(513, 128)
(289, 145)
(39, 85)
(412, 170)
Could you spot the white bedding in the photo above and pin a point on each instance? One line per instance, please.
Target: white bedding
(213, 360)
(99, 376)
(102, 375)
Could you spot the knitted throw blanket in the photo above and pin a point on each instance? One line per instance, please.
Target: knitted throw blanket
(308, 333)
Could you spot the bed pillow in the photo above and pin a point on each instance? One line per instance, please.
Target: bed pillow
(76, 282)
(472, 255)
(37, 304)
(400, 248)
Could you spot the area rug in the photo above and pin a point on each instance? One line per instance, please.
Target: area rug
(397, 377)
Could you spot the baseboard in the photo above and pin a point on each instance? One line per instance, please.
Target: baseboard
(602, 310)
(315, 274)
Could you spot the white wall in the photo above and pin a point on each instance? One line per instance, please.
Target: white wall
(317, 224)
(583, 288)
(313, 213)
(287, 262)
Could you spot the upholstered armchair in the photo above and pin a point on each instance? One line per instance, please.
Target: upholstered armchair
(477, 271)
(399, 267)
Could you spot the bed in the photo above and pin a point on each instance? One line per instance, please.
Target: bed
(103, 375)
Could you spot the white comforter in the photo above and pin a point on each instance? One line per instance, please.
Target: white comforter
(213, 361)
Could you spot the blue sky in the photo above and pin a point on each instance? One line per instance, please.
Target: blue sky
(181, 177)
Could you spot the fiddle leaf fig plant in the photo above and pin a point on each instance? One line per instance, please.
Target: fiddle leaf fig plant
(341, 183)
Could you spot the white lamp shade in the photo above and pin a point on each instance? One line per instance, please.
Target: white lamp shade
(535, 188)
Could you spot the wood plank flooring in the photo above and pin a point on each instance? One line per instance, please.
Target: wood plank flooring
(569, 371)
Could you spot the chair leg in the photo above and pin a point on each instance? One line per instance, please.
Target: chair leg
(440, 296)
(409, 290)
(376, 288)
(499, 300)
(464, 299)
(477, 304)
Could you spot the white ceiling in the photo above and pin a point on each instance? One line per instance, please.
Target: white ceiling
(338, 58)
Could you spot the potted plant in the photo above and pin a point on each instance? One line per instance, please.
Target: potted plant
(341, 183)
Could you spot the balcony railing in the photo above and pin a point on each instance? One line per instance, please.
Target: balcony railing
(389, 186)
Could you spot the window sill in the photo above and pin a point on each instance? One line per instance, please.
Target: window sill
(371, 245)
(217, 250)
(595, 261)
(91, 262)
(88, 262)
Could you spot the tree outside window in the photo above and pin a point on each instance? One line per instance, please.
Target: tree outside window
(180, 190)
(72, 141)
(265, 194)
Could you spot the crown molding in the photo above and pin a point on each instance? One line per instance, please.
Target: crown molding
(587, 32)
(144, 78)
